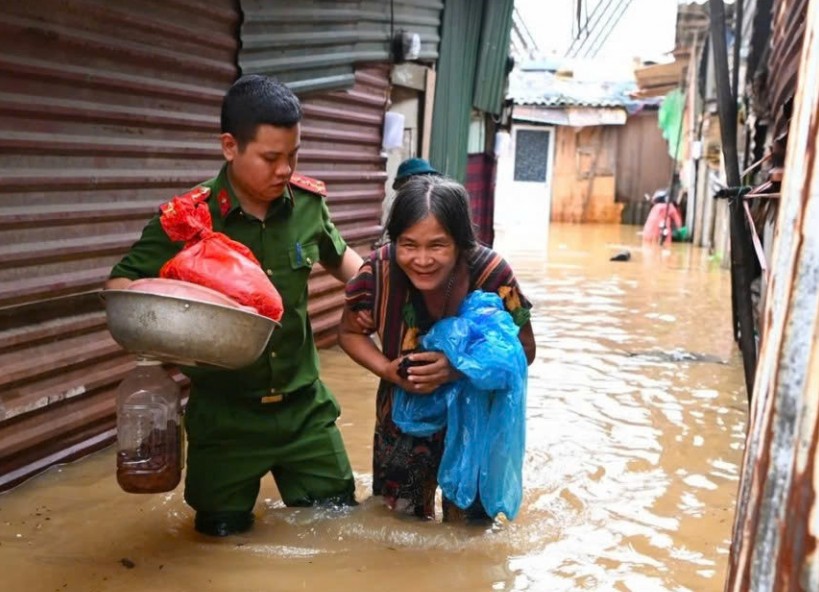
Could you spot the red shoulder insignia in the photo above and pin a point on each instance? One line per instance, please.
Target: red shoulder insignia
(309, 184)
(224, 202)
(200, 193)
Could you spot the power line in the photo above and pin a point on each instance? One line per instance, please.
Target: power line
(607, 28)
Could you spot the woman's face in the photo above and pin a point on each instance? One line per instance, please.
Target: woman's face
(426, 253)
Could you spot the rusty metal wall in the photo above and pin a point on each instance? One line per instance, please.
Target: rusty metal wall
(643, 164)
(783, 62)
(106, 109)
(774, 544)
(314, 44)
(341, 145)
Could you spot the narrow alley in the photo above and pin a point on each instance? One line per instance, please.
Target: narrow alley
(636, 422)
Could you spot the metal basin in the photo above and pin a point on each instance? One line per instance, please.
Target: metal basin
(186, 332)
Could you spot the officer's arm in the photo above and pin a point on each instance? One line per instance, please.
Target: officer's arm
(145, 257)
(340, 261)
(347, 267)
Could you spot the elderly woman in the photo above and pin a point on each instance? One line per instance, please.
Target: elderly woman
(430, 263)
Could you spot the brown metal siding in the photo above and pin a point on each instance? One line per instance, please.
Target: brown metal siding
(341, 145)
(783, 63)
(106, 109)
(775, 530)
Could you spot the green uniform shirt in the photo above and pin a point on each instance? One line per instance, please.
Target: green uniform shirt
(296, 234)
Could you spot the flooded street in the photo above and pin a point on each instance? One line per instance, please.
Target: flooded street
(636, 419)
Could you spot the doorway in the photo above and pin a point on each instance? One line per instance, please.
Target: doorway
(524, 186)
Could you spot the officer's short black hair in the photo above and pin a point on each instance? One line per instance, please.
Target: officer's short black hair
(255, 100)
(439, 196)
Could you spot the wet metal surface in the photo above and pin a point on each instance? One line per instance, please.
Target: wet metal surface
(775, 531)
(636, 419)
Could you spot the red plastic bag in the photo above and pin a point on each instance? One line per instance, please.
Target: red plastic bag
(213, 260)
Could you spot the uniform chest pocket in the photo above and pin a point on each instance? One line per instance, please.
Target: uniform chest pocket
(303, 256)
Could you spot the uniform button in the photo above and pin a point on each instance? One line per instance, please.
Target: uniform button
(272, 354)
(263, 226)
(309, 261)
(272, 391)
(269, 272)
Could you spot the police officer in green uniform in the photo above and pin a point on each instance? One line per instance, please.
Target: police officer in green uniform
(274, 415)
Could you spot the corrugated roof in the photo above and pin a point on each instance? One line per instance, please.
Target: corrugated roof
(548, 88)
(568, 101)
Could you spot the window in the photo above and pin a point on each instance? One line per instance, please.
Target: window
(531, 155)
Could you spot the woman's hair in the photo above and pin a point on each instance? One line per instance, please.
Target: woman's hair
(444, 198)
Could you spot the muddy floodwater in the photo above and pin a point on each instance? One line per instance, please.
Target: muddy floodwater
(635, 429)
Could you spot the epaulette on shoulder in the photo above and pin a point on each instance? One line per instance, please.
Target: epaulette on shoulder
(199, 193)
(309, 184)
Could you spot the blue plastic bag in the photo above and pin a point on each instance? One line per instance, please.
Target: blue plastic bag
(484, 412)
(421, 415)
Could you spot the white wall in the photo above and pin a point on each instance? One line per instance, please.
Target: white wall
(405, 101)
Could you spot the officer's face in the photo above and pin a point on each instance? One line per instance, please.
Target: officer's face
(263, 167)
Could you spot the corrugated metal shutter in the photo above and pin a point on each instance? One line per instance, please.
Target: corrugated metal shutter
(106, 109)
(314, 44)
(490, 80)
(341, 145)
(460, 35)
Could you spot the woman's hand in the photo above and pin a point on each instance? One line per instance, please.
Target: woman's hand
(435, 372)
(392, 372)
(364, 321)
